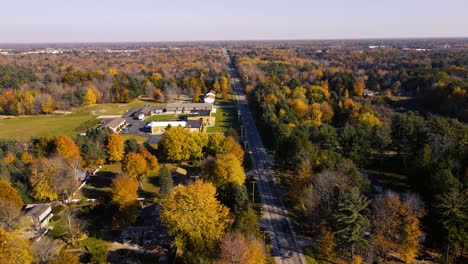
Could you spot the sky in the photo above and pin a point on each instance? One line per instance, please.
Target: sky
(38, 21)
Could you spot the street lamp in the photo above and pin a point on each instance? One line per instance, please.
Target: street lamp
(252, 180)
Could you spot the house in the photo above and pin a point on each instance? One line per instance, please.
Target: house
(143, 113)
(159, 127)
(115, 124)
(81, 175)
(368, 92)
(204, 115)
(210, 97)
(187, 107)
(39, 215)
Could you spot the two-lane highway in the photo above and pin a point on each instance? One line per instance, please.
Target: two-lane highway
(275, 219)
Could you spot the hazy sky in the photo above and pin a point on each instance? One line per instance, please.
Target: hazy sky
(158, 20)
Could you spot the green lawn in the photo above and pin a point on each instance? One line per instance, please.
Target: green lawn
(226, 118)
(229, 101)
(81, 119)
(170, 117)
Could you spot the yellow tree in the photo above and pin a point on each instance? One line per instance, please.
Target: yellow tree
(47, 105)
(135, 165)
(115, 147)
(175, 145)
(358, 88)
(90, 97)
(158, 95)
(196, 219)
(10, 204)
(256, 253)
(369, 119)
(125, 194)
(14, 249)
(234, 148)
(316, 114)
(224, 87)
(124, 190)
(227, 169)
(42, 177)
(151, 160)
(27, 99)
(67, 148)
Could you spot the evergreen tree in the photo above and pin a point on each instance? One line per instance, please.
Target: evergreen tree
(165, 181)
(350, 221)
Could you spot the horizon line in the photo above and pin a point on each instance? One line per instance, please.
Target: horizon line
(234, 40)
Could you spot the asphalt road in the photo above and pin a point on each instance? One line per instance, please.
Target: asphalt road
(275, 219)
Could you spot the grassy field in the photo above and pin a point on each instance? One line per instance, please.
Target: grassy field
(81, 119)
(169, 117)
(226, 118)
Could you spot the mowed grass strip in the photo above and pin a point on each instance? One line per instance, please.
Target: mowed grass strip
(226, 118)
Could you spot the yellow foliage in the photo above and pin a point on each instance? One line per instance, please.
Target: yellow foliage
(41, 179)
(47, 106)
(14, 249)
(271, 98)
(9, 194)
(124, 190)
(9, 158)
(316, 114)
(194, 216)
(256, 253)
(135, 165)
(359, 87)
(370, 120)
(67, 148)
(228, 169)
(300, 107)
(89, 98)
(115, 147)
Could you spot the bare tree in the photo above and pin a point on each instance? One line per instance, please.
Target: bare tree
(45, 249)
(8, 213)
(71, 223)
(234, 248)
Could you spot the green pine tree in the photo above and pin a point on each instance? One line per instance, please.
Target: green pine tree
(166, 183)
(350, 221)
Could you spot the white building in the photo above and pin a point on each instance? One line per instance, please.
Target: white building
(210, 97)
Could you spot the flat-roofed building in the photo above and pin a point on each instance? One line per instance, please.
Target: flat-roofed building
(188, 107)
(204, 115)
(159, 127)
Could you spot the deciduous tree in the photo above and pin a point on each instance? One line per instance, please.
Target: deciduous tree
(115, 147)
(10, 204)
(196, 219)
(67, 148)
(14, 249)
(135, 165)
(227, 169)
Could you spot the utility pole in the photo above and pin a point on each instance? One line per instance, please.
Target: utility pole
(253, 190)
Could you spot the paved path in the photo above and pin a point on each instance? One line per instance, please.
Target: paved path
(275, 219)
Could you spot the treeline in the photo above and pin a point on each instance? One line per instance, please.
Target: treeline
(437, 78)
(312, 112)
(39, 84)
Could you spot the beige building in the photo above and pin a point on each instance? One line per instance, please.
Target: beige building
(204, 115)
(159, 127)
(188, 107)
(115, 124)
